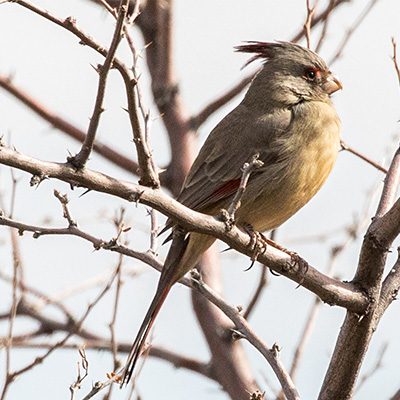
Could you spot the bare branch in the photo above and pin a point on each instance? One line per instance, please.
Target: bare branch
(346, 147)
(351, 30)
(149, 177)
(391, 186)
(396, 396)
(390, 287)
(154, 232)
(197, 120)
(13, 312)
(319, 18)
(257, 294)
(325, 26)
(307, 24)
(330, 290)
(271, 354)
(85, 365)
(394, 58)
(64, 126)
(80, 160)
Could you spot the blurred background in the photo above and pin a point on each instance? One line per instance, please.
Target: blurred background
(49, 64)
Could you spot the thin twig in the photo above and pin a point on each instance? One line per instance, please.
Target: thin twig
(80, 160)
(148, 176)
(154, 232)
(307, 24)
(322, 16)
(114, 345)
(271, 354)
(247, 169)
(346, 147)
(74, 387)
(257, 294)
(63, 125)
(63, 198)
(197, 120)
(325, 26)
(13, 311)
(351, 30)
(394, 58)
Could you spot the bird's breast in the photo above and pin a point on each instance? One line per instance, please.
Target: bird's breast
(311, 150)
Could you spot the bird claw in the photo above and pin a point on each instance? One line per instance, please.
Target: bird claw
(258, 243)
(300, 263)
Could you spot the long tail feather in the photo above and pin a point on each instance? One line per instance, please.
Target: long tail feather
(140, 341)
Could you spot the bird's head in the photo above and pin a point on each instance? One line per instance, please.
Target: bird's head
(290, 74)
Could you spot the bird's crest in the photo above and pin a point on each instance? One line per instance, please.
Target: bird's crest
(262, 50)
(268, 50)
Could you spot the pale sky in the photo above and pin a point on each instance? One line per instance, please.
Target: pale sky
(49, 63)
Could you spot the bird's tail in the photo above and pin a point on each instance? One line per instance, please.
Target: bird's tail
(171, 272)
(138, 344)
(182, 256)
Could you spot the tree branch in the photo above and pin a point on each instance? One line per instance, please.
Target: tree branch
(149, 176)
(346, 147)
(328, 289)
(271, 354)
(197, 120)
(80, 160)
(63, 125)
(356, 332)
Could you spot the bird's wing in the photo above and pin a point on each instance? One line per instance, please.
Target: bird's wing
(217, 171)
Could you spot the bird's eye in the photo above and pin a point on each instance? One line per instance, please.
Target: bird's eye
(310, 74)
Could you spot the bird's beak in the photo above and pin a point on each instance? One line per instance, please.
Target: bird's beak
(332, 84)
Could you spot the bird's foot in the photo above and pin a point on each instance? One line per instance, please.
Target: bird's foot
(295, 260)
(300, 263)
(258, 243)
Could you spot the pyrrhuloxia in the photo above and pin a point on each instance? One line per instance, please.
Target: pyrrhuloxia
(288, 119)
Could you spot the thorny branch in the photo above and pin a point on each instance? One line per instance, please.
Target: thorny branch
(38, 360)
(80, 160)
(65, 126)
(149, 176)
(330, 290)
(271, 354)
